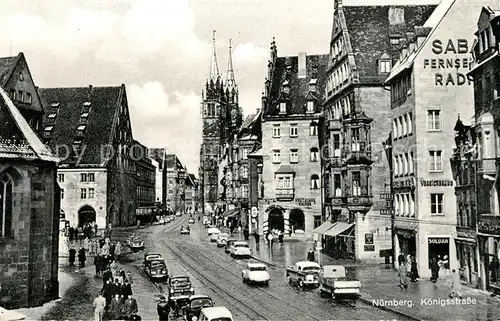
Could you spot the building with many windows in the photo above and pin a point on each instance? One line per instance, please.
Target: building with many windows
(429, 83)
(145, 172)
(29, 211)
(291, 167)
(89, 130)
(191, 193)
(365, 41)
(175, 183)
(158, 156)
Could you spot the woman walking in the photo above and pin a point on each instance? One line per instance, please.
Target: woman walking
(414, 270)
(403, 276)
(434, 270)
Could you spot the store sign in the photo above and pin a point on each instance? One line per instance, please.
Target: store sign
(436, 183)
(466, 234)
(407, 183)
(450, 71)
(369, 248)
(439, 240)
(305, 202)
(369, 238)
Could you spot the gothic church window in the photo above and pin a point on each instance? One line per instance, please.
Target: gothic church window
(6, 186)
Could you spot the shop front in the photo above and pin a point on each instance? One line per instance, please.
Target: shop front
(467, 255)
(489, 252)
(439, 248)
(406, 241)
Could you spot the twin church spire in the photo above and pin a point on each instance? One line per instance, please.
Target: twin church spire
(214, 76)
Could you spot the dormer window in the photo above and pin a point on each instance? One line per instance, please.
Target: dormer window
(48, 130)
(310, 106)
(283, 108)
(385, 66)
(81, 127)
(84, 115)
(286, 87)
(55, 105)
(312, 85)
(52, 115)
(86, 104)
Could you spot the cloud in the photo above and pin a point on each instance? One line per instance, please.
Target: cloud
(163, 120)
(248, 52)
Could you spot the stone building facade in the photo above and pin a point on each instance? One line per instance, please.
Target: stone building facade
(158, 155)
(89, 130)
(365, 41)
(429, 83)
(176, 183)
(29, 212)
(291, 172)
(145, 172)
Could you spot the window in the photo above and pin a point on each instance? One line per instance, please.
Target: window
(91, 193)
(48, 129)
(337, 184)
(310, 106)
(276, 131)
(83, 177)
(355, 139)
(294, 130)
(356, 183)
(284, 182)
(244, 172)
(60, 178)
(244, 153)
(313, 129)
(317, 221)
(91, 177)
(399, 131)
(314, 181)
(314, 154)
(83, 193)
(20, 96)
(62, 193)
(84, 115)
(412, 204)
(405, 163)
(276, 156)
(434, 120)
(384, 66)
(51, 115)
(29, 99)
(244, 191)
(409, 123)
(435, 161)
(395, 128)
(404, 125)
(283, 108)
(6, 202)
(13, 94)
(395, 162)
(410, 163)
(336, 145)
(437, 204)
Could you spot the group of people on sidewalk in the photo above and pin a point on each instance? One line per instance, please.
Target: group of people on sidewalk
(88, 230)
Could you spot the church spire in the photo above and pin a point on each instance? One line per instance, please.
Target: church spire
(230, 81)
(214, 66)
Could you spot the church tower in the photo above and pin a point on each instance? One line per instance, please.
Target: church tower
(234, 114)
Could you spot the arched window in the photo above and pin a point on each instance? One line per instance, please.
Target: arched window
(314, 154)
(314, 181)
(6, 186)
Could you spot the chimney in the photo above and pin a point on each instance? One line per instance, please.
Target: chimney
(396, 16)
(302, 65)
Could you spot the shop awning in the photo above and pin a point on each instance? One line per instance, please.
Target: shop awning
(230, 213)
(323, 227)
(338, 228)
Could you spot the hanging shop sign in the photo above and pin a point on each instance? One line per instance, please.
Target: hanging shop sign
(305, 202)
(436, 183)
(369, 238)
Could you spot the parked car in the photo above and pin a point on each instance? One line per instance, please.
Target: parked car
(180, 288)
(151, 257)
(136, 244)
(191, 311)
(333, 282)
(304, 274)
(214, 235)
(222, 239)
(185, 229)
(240, 249)
(215, 314)
(161, 221)
(156, 269)
(191, 221)
(212, 229)
(256, 273)
(229, 242)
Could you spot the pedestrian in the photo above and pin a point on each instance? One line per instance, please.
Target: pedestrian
(97, 264)
(401, 258)
(130, 307)
(82, 257)
(138, 224)
(257, 238)
(280, 236)
(408, 264)
(310, 255)
(434, 270)
(456, 286)
(163, 309)
(403, 276)
(414, 270)
(118, 250)
(72, 256)
(128, 277)
(71, 233)
(108, 275)
(246, 234)
(126, 289)
(114, 268)
(116, 307)
(107, 291)
(95, 229)
(99, 306)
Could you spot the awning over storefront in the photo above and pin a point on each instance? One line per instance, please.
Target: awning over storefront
(465, 240)
(231, 213)
(338, 228)
(323, 228)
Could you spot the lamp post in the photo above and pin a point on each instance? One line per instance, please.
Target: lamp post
(388, 152)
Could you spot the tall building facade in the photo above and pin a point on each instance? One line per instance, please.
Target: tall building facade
(145, 172)
(291, 171)
(176, 183)
(357, 118)
(429, 83)
(89, 129)
(158, 155)
(221, 117)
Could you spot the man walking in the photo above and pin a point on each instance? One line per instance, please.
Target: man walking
(130, 308)
(163, 309)
(456, 286)
(99, 306)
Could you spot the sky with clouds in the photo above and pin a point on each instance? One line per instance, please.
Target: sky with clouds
(161, 50)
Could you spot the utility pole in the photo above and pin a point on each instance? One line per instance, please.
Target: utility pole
(388, 152)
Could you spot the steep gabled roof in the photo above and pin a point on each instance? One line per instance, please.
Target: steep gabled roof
(17, 139)
(7, 66)
(69, 103)
(370, 29)
(286, 69)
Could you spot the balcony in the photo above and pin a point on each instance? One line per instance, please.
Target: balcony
(285, 194)
(335, 162)
(360, 202)
(489, 224)
(334, 124)
(487, 166)
(357, 153)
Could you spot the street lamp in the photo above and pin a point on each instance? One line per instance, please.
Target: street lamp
(388, 152)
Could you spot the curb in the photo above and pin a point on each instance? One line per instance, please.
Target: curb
(370, 303)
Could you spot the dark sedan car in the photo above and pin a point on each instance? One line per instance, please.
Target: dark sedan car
(194, 304)
(228, 244)
(185, 229)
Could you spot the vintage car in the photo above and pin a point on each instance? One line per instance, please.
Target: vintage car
(179, 286)
(256, 273)
(334, 282)
(156, 269)
(178, 214)
(215, 314)
(222, 239)
(191, 221)
(192, 308)
(185, 229)
(240, 249)
(161, 220)
(212, 229)
(304, 274)
(229, 242)
(151, 257)
(136, 244)
(214, 235)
